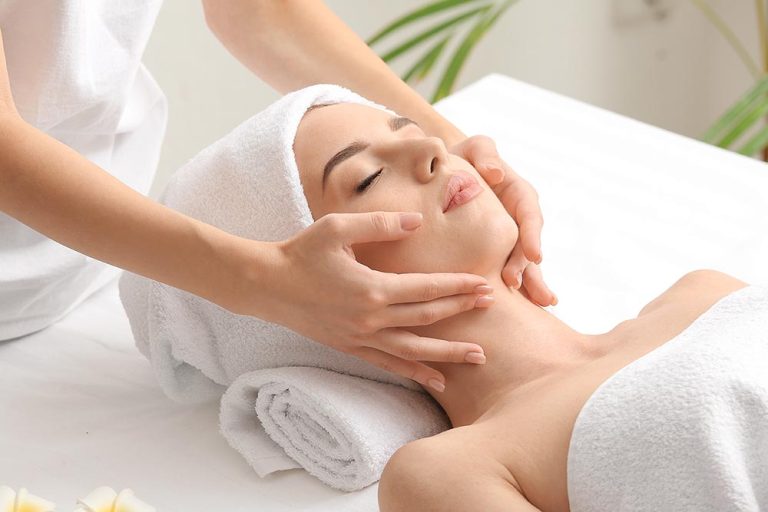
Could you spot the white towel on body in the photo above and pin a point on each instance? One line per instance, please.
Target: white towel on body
(685, 427)
(247, 184)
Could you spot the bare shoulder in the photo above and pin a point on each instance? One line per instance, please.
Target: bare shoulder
(704, 287)
(448, 471)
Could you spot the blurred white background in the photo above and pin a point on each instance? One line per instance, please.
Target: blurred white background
(672, 70)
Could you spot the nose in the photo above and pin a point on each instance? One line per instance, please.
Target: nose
(430, 158)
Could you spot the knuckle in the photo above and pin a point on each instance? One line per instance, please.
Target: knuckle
(333, 224)
(427, 316)
(380, 222)
(455, 352)
(386, 364)
(366, 325)
(431, 290)
(374, 297)
(531, 214)
(410, 351)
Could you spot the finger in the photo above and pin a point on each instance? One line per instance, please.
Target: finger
(425, 313)
(413, 370)
(527, 214)
(407, 345)
(493, 174)
(481, 152)
(358, 228)
(512, 273)
(415, 287)
(533, 282)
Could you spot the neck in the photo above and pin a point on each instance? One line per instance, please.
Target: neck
(523, 344)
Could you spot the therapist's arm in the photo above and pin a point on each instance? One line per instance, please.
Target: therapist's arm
(291, 44)
(310, 283)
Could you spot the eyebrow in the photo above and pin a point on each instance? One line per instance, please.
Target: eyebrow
(394, 123)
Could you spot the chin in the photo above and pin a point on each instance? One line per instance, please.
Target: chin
(488, 240)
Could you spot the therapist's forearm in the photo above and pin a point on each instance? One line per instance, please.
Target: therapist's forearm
(294, 43)
(58, 192)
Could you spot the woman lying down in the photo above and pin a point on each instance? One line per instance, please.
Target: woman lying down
(666, 411)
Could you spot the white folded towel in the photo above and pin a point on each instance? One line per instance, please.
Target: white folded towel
(685, 427)
(342, 429)
(247, 183)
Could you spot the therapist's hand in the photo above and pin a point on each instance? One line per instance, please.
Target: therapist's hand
(318, 289)
(522, 202)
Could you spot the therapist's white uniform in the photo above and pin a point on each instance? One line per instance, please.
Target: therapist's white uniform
(76, 73)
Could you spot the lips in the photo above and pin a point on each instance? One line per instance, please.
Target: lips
(461, 188)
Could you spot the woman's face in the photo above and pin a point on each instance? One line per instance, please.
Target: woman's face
(413, 173)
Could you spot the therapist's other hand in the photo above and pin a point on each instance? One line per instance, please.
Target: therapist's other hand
(522, 202)
(321, 291)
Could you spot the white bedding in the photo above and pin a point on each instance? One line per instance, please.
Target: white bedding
(628, 209)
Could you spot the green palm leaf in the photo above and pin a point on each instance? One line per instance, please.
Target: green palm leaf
(422, 67)
(412, 16)
(756, 143)
(738, 111)
(758, 112)
(431, 32)
(475, 34)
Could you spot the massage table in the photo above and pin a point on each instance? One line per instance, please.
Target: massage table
(629, 208)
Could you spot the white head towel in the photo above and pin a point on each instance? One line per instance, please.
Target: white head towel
(247, 184)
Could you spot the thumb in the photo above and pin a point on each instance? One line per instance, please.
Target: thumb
(481, 152)
(360, 228)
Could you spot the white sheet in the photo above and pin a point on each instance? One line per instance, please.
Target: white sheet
(628, 209)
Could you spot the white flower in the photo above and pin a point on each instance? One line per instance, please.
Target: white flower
(105, 499)
(11, 501)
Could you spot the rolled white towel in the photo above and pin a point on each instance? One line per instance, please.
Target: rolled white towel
(342, 429)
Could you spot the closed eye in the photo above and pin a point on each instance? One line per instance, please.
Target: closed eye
(367, 181)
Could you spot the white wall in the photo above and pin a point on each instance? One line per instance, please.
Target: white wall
(676, 72)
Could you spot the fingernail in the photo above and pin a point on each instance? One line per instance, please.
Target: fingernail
(483, 289)
(475, 357)
(554, 301)
(436, 384)
(484, 301)
(410, 221)
(541, 257)
(519, 278)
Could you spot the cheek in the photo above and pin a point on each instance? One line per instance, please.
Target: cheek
(477, 239)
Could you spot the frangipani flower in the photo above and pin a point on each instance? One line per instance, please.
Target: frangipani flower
(11, 501)
(105, 499)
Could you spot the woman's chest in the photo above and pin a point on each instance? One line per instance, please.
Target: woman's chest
(537, 428)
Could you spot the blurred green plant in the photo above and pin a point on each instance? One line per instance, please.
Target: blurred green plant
(479, 15)
(729, 131)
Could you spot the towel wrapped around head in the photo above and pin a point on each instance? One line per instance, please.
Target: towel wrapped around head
(247, 184)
